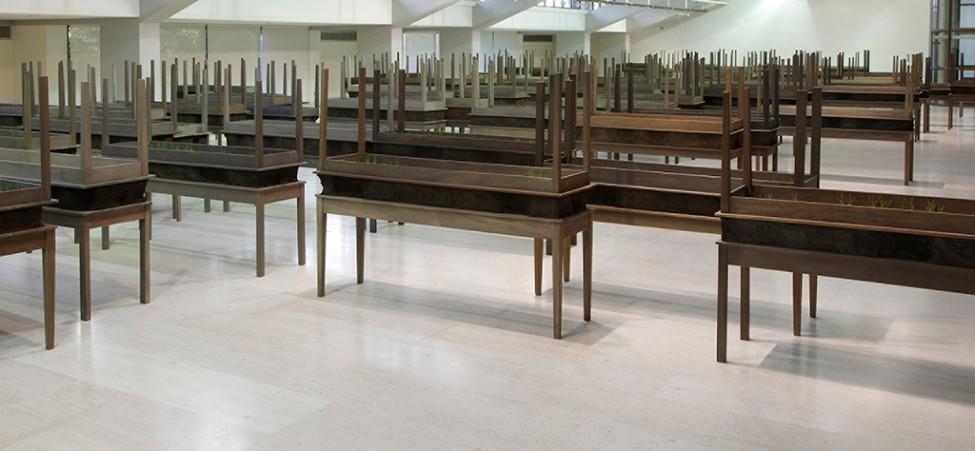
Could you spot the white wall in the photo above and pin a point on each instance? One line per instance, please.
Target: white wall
(284, 45)
(40, 9)
(540, 49)
(297, 12)
(129, 40)
(330, 54)
(453, 16)
(457, 41)
(885, 27)
(420, 43)
(374, 41)
(568, 43)
(85, 52)
(608, 45)
(9, 85)
(230, 43)
(33, 43)
(493, 42)
(544, 19)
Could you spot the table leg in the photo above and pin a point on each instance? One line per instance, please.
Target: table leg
(260, 238)
(226, 206)
(587, 271)
(206, 206)
(301, 227)
(566, 258)
(48, 256)
(84, 263)
(917, 123)
(908, 161)
(177, 208)
(106, 239)
(813, 292)
(360, 249)
(951, 114)
(320, 223)
(144, 262)
(745, 314)
(538, 265)
(557, 249)
(722, 304)
(926, 107)
(797, 304)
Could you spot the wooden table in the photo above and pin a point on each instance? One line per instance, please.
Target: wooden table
(557, 230)
(869, 269)
(259, 197)
(84, 221)
(867, 124)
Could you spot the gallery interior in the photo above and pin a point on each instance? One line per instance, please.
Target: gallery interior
(487, 224)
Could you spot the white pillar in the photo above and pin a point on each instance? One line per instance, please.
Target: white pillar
(130, 40)
(374, 41)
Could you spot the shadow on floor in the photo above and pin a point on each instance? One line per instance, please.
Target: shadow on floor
(13, 327)
(766, 315)
(908, 376)
(533, 318)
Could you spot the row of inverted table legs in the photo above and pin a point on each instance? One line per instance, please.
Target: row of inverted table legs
(745, 303)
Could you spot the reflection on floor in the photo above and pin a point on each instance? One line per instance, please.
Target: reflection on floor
(445, 345)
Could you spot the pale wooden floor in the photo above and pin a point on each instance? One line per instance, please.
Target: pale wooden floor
(445, 346)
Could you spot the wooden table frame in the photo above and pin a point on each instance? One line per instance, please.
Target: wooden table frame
(906, 137)
(38, 238)
(557, 230)
(84, 221)
(259, 197)
(761, 228)
(869, 269)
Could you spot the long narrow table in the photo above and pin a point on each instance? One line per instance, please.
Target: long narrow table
(556, 230)
(865, 124)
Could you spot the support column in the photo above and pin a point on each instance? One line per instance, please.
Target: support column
(130, 40)
(459, 41)
(568, 43)
(375, 41)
